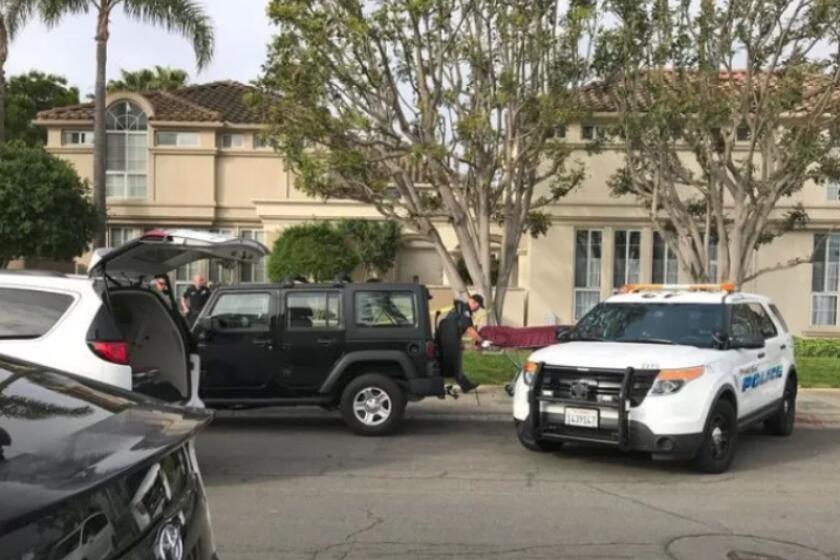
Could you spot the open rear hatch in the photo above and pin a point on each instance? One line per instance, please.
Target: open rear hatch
(160, 348)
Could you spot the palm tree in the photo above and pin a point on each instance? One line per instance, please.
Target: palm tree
(146, 79)
(11, 20)
(186, 17)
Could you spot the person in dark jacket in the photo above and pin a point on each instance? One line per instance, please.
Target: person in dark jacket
(194, 298)
(458, 322)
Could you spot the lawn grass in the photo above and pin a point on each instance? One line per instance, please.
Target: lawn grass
(491, 368)
(819, 372)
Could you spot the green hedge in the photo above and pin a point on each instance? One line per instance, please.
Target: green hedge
(818, 347)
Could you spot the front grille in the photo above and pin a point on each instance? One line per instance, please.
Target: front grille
(596, 386)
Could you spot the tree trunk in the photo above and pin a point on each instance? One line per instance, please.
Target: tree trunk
(100, 144)
(4, 53)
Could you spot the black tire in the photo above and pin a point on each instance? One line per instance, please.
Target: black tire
(781, 423)
(720, 439)
(526, 437)
(354, 401)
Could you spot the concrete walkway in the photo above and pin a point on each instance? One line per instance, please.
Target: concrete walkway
(815, 407)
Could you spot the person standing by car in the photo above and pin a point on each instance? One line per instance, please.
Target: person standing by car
(194, 298)
(458, 322)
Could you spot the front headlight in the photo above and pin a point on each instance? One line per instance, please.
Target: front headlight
(529, 371)
(670, 381)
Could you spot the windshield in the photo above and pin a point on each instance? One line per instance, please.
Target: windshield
(691, 324)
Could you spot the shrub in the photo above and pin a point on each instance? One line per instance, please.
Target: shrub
(817, 347)
(315, 251)
(45, 208)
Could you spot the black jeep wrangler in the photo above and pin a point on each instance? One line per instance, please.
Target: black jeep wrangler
(364, 348)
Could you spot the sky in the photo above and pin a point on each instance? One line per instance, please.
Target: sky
(242, 33)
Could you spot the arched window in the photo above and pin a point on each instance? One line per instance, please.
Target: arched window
(127, 151)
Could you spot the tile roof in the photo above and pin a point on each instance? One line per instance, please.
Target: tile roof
(213, 102)
(600, 96)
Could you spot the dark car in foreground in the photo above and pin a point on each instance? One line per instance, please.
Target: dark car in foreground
(91, 472)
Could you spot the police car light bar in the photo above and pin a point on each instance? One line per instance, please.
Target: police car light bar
(725, 287)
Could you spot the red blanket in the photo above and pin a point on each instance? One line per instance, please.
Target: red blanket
(520, 337)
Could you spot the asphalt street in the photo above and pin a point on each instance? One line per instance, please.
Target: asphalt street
(296, 484)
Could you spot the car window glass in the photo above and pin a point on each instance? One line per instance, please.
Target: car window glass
(242, 312)
(763, 320)
(313, 310)
(744, 324)
(385, 309)
(94, 526)
(30, 313)
(779, 316)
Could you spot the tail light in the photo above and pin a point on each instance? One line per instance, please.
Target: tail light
(431, 351)
(115, 352)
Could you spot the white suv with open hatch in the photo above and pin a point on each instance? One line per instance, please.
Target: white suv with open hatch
(672, 370)
(110, 326)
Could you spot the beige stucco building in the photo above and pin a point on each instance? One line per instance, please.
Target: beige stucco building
(194, 158)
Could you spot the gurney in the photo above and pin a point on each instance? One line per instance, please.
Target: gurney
(519, 338)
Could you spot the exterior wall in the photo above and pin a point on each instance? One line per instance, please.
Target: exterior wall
(250, 189)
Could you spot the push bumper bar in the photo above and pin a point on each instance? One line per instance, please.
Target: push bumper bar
(620, 437)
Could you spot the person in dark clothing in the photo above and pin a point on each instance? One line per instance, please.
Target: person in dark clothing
(450, 330)
(194, 298)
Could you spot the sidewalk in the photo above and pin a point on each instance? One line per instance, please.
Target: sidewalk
(816, 407)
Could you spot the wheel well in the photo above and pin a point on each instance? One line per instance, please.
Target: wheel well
(793, 375)
(354, 370)
(728, 396)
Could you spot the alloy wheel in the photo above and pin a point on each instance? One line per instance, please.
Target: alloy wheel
(372, 406)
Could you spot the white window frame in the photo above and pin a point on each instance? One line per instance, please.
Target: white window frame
(259, 272)
(826, 317)
(593, 275)
(714, 245)
(832, 192)
(599, 132)
(182, 139)
(129, 131)
(119, 235)
(226, 141)
(667, 257)
(260, 143)
(627, 277)
(85, 138)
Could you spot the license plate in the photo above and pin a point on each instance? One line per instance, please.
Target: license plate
(582, 417)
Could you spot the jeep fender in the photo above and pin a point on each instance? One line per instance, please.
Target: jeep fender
(387, 356)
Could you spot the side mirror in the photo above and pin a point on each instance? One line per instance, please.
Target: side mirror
(747, 342)
(563, 334)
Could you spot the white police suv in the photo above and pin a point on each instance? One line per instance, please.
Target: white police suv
(675, 370)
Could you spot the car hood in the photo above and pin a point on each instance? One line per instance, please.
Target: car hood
(620, 355)
(162, 251)
(62, 435)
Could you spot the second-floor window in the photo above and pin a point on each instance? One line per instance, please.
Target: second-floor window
(587, 270)
(177, 139)
(832, 192)
(126, 163)
(77, 138)
(230, 140)
(592, 131)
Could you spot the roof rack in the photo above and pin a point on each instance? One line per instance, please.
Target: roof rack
(724, 287)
